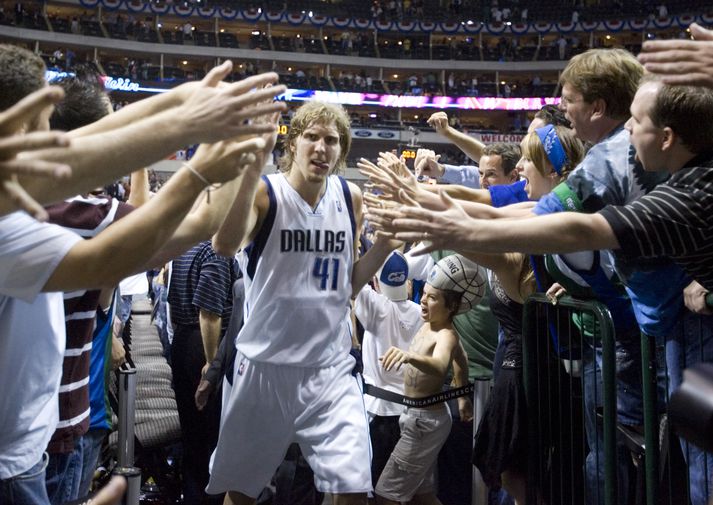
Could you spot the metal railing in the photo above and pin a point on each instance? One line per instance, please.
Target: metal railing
(570, 377)
(564, 385)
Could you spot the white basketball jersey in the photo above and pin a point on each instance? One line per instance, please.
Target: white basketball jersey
(298, 278)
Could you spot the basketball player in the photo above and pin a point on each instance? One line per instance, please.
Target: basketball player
(292, 378)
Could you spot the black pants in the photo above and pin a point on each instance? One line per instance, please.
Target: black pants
(199, 429)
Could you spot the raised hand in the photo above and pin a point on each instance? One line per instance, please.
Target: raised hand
(438, 121)
(426, 164)
(688, 62)
(215, 112)
(12, 144)
(390, 175)
(223, 161)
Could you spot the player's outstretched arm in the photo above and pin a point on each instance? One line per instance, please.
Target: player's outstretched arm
(250, 205)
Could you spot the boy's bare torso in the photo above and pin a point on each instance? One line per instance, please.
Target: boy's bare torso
(418, 384)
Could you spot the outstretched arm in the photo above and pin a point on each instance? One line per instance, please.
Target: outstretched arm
(251, 203)
(112, 255)
(391, 176)
(365, 267)
(211, 114)
(436, 365)
(556, 233)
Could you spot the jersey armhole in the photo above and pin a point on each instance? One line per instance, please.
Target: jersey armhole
(350, 204)
(254, 250)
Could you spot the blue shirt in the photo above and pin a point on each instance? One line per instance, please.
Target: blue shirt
(507, 194)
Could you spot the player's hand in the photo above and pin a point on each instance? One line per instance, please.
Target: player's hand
(694, 296)
(394, 357)
(688, 62)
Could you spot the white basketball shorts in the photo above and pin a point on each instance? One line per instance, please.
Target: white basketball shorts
(270, 406)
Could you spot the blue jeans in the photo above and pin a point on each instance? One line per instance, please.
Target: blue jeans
(124, 309)
(692, 343)
(64, 473)
(91, 447)
(27, 488)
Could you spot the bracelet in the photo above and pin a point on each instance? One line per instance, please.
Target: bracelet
(208, 185)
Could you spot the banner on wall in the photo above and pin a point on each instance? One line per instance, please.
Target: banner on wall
(447, 27)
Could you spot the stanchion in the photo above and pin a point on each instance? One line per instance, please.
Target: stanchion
(127, 397)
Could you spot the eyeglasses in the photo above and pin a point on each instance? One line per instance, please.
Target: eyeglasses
(565, 100)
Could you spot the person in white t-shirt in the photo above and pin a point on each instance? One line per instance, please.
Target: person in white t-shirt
(389, 319)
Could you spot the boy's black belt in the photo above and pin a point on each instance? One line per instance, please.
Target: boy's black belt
(425, 401)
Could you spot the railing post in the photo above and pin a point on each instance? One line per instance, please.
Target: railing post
(651, 425)
(126, 415)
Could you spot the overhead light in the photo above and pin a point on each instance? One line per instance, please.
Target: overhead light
(396, 76)
(255, 32)
(185, 62)
(469, 22)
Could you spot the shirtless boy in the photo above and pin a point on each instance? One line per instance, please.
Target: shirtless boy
(409, 474)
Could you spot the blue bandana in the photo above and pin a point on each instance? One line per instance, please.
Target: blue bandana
(553, 147)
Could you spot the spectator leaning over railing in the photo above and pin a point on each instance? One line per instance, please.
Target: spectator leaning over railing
(671, 128)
